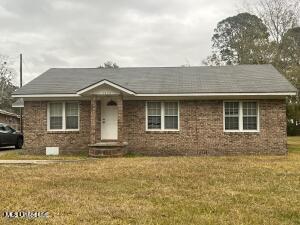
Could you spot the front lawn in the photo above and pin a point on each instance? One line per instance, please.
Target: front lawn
(294, 144)
(158, 190)
(19, 155)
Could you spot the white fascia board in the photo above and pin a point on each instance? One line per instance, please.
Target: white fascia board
(45, 95)
(108, 83)
(218, 94)
(153, 95)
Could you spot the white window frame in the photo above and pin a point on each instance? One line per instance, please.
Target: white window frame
(162, 116)
(241, 117)
(63, 116)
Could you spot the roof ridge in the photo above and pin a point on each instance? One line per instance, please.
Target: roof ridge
(145, 67)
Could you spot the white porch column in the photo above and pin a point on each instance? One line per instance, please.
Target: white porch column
(93, 119)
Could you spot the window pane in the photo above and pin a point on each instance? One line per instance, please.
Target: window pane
(72, 109)
(56, 116)
(231, 123)
(249, 115)
(154, 122)
(154, 112)
(171, 108)
(250, 123)
(56, 123)
(56, 109)
(231, 115)
(154, 108)
(72, 122)
(171, 122)
(249, 108)
(231, 108)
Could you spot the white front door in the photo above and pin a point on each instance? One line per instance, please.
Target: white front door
(109, 120)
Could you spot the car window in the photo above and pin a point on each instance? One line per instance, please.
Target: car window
(2, 128)
(8, 129)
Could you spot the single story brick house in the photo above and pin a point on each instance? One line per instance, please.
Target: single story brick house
(157, 110)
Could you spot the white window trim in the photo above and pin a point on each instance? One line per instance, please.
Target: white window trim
(162, 117)
(63, 116)
(241, 117)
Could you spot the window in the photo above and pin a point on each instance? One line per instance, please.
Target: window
(241, 116)
(2, 129)
(56, 116)
(162, 116)
(249, 116)
(171, 115)
(9, 129)
(154, 115)
(63, 116)
(231, 115)
(72, 115)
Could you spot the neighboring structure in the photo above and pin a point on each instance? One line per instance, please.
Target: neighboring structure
(12, 119)
(158, 110)
(19, 103)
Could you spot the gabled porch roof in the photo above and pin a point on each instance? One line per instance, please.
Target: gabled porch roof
(104, 83)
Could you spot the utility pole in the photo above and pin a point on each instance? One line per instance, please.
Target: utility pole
(21, 83)
(21, 71)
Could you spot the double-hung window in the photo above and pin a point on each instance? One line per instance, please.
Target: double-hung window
(154, 115)
(56, 116)
(162, 116)
(250, 116)
(241, 116)
(231, 115)
(171, 115)
(72, 110)
(63, 116)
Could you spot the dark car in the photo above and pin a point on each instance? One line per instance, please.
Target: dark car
(10, 137)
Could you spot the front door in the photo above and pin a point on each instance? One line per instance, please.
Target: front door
(109, 120)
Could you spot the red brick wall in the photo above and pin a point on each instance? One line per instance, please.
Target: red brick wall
(36, 136)
(201, 131)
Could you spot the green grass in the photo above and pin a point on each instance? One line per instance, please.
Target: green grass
(294, 144)
(158, 190)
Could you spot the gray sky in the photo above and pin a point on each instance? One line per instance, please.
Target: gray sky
(77, 33)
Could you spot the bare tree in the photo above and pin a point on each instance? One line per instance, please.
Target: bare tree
(278, 15)
(109, 64)
(6, 85)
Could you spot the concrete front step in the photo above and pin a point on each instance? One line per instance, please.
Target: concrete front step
(107, 149)
(108, 144)
(104, 152)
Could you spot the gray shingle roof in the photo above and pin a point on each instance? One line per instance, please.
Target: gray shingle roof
(163, 80)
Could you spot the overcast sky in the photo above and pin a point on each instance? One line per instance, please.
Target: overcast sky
(77, 33)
